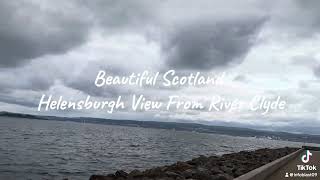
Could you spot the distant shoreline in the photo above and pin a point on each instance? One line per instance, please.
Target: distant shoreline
(201, 128)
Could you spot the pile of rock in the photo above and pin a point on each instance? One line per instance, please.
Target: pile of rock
(223, 167)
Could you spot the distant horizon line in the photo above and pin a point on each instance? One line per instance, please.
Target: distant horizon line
(182, 121)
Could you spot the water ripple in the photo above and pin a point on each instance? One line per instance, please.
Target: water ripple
(35, 149)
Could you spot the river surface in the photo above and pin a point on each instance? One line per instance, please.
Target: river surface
(39, 149)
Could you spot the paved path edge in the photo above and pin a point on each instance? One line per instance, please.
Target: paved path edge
(264, 171)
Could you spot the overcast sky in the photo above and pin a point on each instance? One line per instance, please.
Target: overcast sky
(265, 47)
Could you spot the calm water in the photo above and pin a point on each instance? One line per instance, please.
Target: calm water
(35, 149)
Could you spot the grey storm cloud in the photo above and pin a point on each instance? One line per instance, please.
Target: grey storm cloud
(28, 31)
(241, 78)
(308, 15)
(309, 62)
(296, 18)
(89, 88)
(19, 79)
(304, 60)
(316, 71)
(205, 35)
(203, 44)
(13, 100)
(208, 44)
(121, 13)
(88, 76)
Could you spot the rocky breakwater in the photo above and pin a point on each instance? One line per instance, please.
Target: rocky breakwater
(225, 167)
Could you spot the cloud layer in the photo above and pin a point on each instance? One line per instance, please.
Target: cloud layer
(265, 48)
(30, 30)
(205, 45)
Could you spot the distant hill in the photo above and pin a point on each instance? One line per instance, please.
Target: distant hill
(233, 131)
